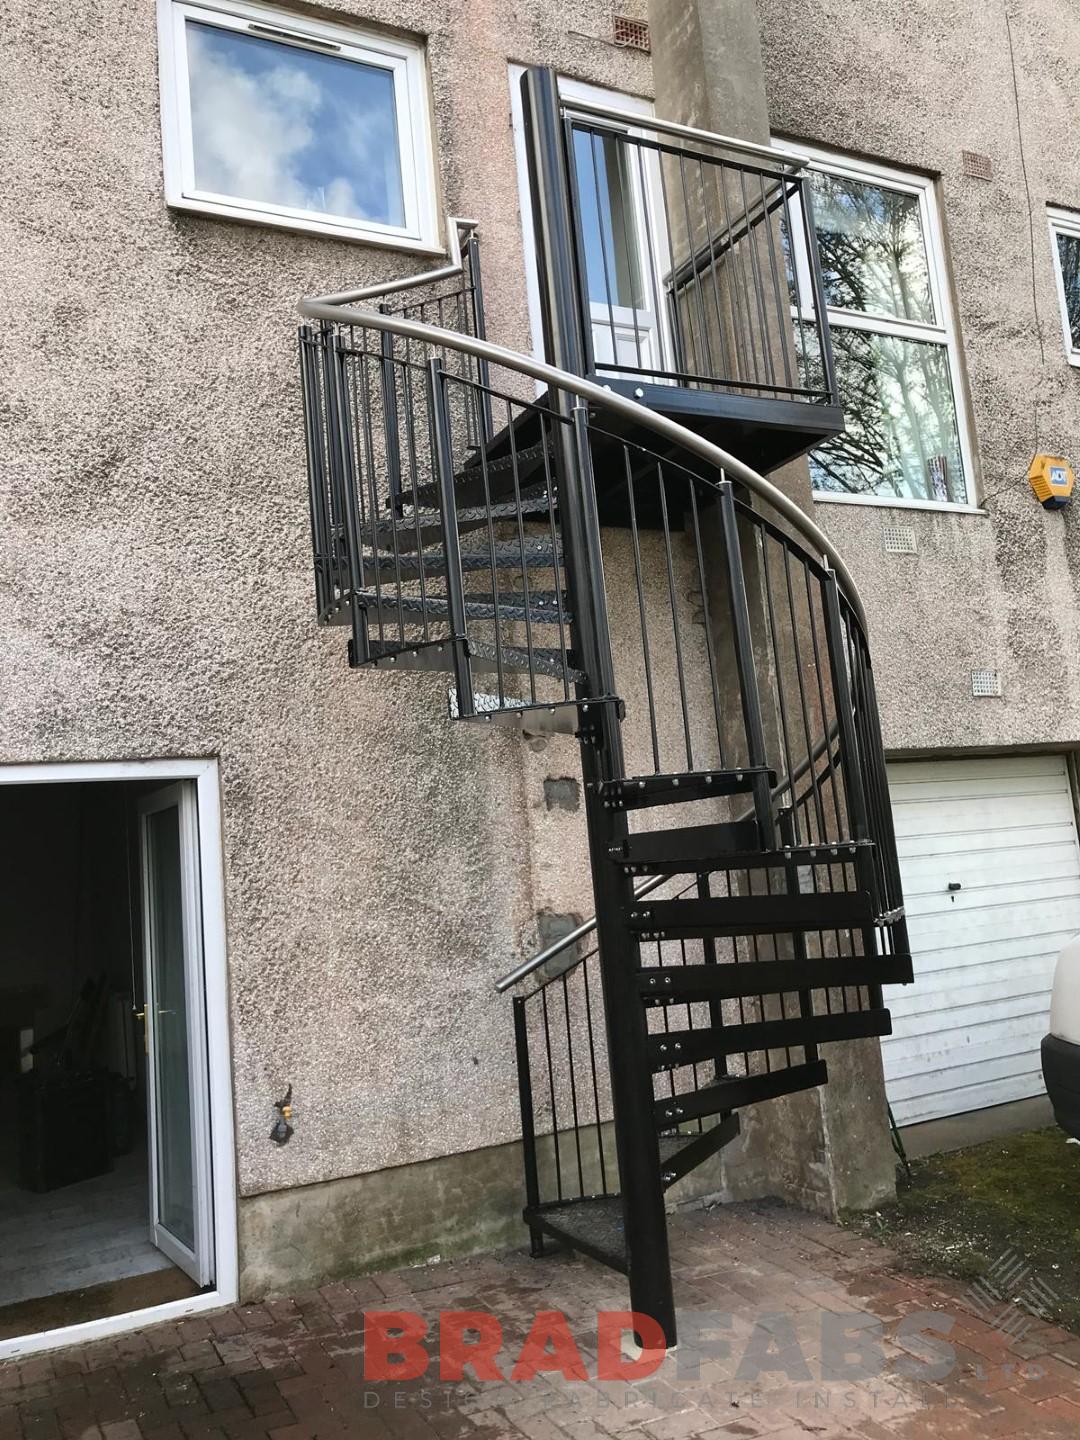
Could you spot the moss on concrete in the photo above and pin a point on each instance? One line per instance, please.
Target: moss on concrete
(961, 1212)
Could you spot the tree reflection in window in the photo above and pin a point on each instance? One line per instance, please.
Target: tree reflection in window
(1069, 259)
(893, 373)
(873, 254)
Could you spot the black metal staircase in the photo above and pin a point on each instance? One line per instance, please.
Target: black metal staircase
(576, 562)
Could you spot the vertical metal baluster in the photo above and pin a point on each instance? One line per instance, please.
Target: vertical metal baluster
(549, 489)
(551, 1091)
(794, 242)
(443, 460)
(807, 732)
(783, 320)
(521, 541)
(789, 762)
(496, 602)
(683, 351)
(528, 1120)
(642, 612)
(714, 682)
(592, 1064)
(695, 274)
(740, 314)
(573, 1085)
(721, 328)
(759, 295)
(680, 670)
(368, 432)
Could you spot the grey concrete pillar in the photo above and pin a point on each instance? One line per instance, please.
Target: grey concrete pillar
(827, 1149)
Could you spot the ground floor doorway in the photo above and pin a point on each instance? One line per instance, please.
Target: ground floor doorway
(117, 1193)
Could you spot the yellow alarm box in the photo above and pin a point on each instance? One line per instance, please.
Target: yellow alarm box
(1052, 480)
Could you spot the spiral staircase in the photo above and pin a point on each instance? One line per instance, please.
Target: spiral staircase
(569, 544)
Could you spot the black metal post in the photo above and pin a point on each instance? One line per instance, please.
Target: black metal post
(337, 396)
(528, 1121)
(390, 416)
(821, 309)
(636, 1141)
(443, 455)
(483, 369)
(744, 663)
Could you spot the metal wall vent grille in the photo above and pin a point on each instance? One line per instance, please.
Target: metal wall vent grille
(898, 540)
(979, 167)
(985, 682)
(632, 33)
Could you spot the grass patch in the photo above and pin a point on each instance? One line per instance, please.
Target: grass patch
(961, 1212)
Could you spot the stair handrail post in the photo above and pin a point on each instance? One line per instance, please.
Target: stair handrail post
(471, 254)
(749, 692)
(442, 451)
(636, 1142)
(342, 458)
(528, 1120)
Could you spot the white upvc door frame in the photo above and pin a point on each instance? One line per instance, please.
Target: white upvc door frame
(197, 1259)
(652, 243)
(221, 1140)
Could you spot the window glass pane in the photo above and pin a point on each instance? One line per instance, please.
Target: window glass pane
(873, 253)
(1069, 258)
(285, 126)
(902, 438)
(606, 211)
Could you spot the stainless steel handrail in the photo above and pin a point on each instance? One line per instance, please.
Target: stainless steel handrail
(789, 161)
(335, 309)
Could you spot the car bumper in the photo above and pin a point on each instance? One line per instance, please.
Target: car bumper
(1061, 1071)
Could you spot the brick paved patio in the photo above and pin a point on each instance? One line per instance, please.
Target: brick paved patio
(292, 1369)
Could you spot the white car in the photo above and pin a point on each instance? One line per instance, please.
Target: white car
(1061, 1048)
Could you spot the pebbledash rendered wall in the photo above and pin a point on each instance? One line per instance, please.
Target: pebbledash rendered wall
(914, 83)
(382, 866)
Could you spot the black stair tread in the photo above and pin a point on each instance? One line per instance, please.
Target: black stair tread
(702, 848)
(471, 487)
(425, 527)
(540, 659)
(677, 984)
(733, 1091)
(593, 1227)
(542, 608)
(560, 717)
(638, 791)
(673, 1048)
(679, 1154)
(725, 915)
(540, 554)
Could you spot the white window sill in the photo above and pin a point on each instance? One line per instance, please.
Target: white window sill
(889, 502)
(349, 234)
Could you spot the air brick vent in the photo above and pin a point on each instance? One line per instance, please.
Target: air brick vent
(977, 166)
(985, 683)
(632, 33)
(898, 540)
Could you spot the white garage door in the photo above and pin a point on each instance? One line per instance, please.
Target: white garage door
(966, 1034)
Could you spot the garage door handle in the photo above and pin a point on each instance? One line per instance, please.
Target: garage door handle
(955, 885)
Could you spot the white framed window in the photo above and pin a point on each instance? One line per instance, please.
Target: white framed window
(1065, 239)
(879, 238)
(279, 119)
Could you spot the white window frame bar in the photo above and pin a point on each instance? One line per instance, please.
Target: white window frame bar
(1063, 222)
(942, 332)
(571, 90)
(405, 61)
(204, 774)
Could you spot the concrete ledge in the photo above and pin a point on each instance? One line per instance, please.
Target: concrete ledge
(954, 1132)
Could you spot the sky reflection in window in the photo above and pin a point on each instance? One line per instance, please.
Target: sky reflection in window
(285, 126)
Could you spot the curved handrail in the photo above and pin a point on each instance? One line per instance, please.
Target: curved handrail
(338, 309)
